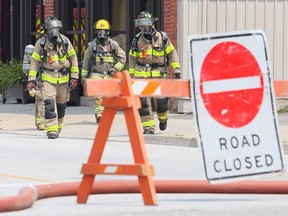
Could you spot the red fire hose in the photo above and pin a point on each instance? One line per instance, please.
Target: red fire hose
(29, 195)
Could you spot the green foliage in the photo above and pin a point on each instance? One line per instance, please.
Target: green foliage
(11, 73)
(283, 109)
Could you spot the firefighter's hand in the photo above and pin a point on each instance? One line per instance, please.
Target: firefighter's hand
(30, 85)
(111, 72)
(177, 76)
(73, 83)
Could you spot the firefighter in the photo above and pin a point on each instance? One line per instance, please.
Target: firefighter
(102, 58)
(39, 102)
(56, 56)
(36, 93)
(150, 54)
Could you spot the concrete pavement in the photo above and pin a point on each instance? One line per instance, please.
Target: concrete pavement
(79, 123)
(28, 157)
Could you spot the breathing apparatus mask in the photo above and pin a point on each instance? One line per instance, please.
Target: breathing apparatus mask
(53, 26)
(53, 35)
(102, 35)
(145, 23)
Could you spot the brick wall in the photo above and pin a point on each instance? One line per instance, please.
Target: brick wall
(49, 8)
(170, 20)
(170, 27)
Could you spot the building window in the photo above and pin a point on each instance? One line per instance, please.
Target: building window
(72, 14)
(38, 19)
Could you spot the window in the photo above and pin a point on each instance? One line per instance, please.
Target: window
(73, 16)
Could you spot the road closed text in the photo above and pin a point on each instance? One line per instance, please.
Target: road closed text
(243, 162)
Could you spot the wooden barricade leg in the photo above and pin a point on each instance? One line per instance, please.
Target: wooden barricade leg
(138, 145)
(130, 105)
(96, 152)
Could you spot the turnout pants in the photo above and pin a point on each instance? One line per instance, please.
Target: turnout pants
(146, 112)
(55, 98)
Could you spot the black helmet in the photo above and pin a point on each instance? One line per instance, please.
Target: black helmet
(52, 27)
(145, 22)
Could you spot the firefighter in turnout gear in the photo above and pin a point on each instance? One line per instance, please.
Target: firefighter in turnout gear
(55, 58)
(150, 53)
(102, 58)
(39, 103)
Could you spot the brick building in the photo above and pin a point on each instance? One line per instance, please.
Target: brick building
(20, 21)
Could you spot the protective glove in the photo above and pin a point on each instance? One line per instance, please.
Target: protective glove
(177, 76)
(73, 83)
(111, 72)
(31, 86)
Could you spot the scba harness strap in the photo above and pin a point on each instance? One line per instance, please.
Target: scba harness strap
(43, 52)
(43, 56)
(137, 36)
(134, 48)
(112, 50)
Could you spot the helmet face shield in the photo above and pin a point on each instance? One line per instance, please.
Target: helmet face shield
(144, 22)
(53, 24)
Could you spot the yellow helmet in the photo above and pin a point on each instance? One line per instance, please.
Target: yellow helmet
(102, 24)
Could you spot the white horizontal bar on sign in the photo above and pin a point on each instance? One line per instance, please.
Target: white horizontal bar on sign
(234, 84)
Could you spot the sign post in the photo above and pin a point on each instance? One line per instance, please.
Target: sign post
(234, 105)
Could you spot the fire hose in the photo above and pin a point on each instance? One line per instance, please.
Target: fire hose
(28, 195)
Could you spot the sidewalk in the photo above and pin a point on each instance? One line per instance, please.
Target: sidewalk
(79, 123)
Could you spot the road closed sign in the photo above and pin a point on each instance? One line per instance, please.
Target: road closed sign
(234, 106)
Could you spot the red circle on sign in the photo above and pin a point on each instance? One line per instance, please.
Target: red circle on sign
(227, 66)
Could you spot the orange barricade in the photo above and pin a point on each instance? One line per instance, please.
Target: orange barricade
(120, 96)
(123, 92)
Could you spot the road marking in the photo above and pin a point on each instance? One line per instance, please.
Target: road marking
(22, 177)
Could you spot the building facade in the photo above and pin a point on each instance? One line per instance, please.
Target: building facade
(197, 17)
(20, 24)
(20, 21)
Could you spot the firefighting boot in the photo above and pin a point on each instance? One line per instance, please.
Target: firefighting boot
(163, 125)
(148, 132)
(41, 127)
(52, 135)
(98, 118)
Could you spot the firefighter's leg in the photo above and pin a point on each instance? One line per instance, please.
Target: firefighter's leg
(162, 112)
(51, 122)
(98, 108)
(146, 115)
(63, 96)
(39, 110)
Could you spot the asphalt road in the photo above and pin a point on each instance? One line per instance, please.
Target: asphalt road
(29, 160)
